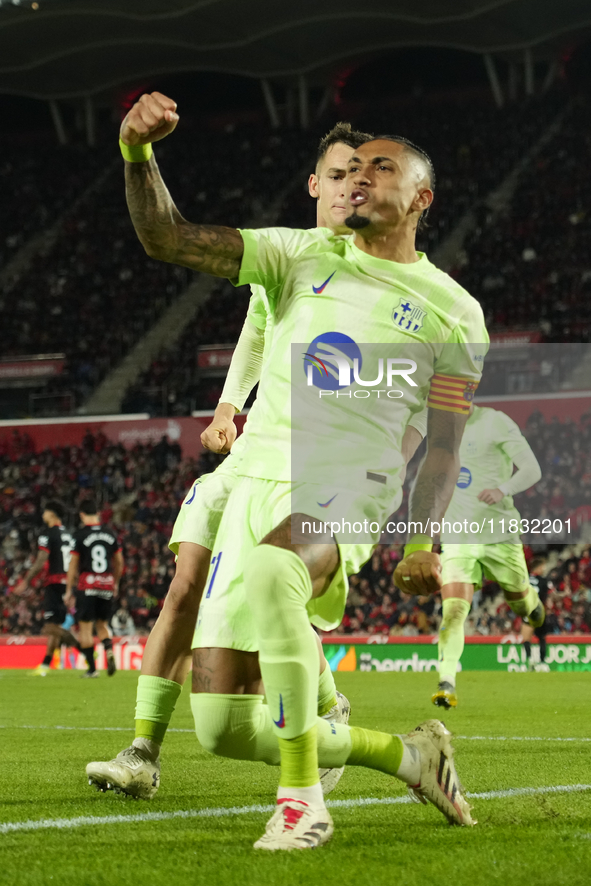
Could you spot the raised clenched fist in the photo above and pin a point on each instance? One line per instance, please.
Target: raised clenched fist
(220, 434)
(152, 118)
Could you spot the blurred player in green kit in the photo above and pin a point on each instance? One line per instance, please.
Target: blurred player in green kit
(492, 444)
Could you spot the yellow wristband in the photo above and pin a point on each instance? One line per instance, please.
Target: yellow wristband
(135, 153)
(411, 547)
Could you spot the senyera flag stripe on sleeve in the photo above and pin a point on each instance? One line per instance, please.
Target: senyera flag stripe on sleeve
(451, 394)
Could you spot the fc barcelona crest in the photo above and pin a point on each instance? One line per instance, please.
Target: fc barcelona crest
(470, 390)
(407, 316)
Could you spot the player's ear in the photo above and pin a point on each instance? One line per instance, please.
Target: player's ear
(313, 186)
(423, 199)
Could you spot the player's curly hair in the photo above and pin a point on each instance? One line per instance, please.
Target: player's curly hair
(341, 133)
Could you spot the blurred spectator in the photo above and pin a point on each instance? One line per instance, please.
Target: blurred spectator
(122, 622)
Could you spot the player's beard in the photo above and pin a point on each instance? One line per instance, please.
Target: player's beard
(357, 222)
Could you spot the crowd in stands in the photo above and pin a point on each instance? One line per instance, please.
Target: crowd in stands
(531, 266)
(563, 450)
(96, 293)
(376, 606)
(38, 182)
(140, 491)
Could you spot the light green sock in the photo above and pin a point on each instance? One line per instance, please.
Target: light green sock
(376, 750)
(241, 727)
(526, 605)
(327, 691)
(451, 637)
(278, 587)
(299, 760)
(236, 726)
(155, 701)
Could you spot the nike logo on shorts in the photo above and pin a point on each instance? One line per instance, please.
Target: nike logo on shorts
(280, 723)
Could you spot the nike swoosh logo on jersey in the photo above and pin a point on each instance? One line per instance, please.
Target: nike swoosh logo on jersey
(280, 723)
(189, 500)
(326, 504)
(319, 289)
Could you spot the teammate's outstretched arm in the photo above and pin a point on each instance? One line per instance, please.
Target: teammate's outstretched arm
(161, 228)
(243, 375)
(420, 572)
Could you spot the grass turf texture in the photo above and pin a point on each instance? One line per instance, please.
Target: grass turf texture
(543, 838)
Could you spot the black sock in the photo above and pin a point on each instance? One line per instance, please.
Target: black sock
(542, 649)
(107, 644)
(527, 647)
(47, 660)
(88, 654)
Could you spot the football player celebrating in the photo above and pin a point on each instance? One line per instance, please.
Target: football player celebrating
(278, 584)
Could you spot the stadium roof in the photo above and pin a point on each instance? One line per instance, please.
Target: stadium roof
(68, 48)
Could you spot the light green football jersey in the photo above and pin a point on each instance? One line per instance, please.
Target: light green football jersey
(258, 307)
(491, 441)
(320, 290)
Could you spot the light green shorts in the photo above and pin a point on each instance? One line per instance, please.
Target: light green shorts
(502, 562)
(254, 508)
(201, 512)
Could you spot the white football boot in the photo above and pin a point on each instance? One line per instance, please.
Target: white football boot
(133, 771)
(339, 713)
(297, 825)
(439, 783)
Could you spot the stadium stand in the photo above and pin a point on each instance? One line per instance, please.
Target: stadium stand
(96, 293)
(33, 195)
(125, 292)
(140, 491)
(531, 266)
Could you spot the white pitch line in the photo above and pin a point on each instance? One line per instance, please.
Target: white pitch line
(174, 729)
(515, 738)
(225, 811)
(87, 728)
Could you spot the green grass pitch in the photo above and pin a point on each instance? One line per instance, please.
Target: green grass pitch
(540, 838)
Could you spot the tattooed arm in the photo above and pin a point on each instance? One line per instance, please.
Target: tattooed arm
(420, 572)
(438, 473)
(161, 228)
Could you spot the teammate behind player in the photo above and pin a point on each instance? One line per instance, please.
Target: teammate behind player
(55, 547)
(389, 186)
(492, 444)
(543, 586)
(95, 568)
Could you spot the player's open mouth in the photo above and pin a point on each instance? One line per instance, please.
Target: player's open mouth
(358, 197)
